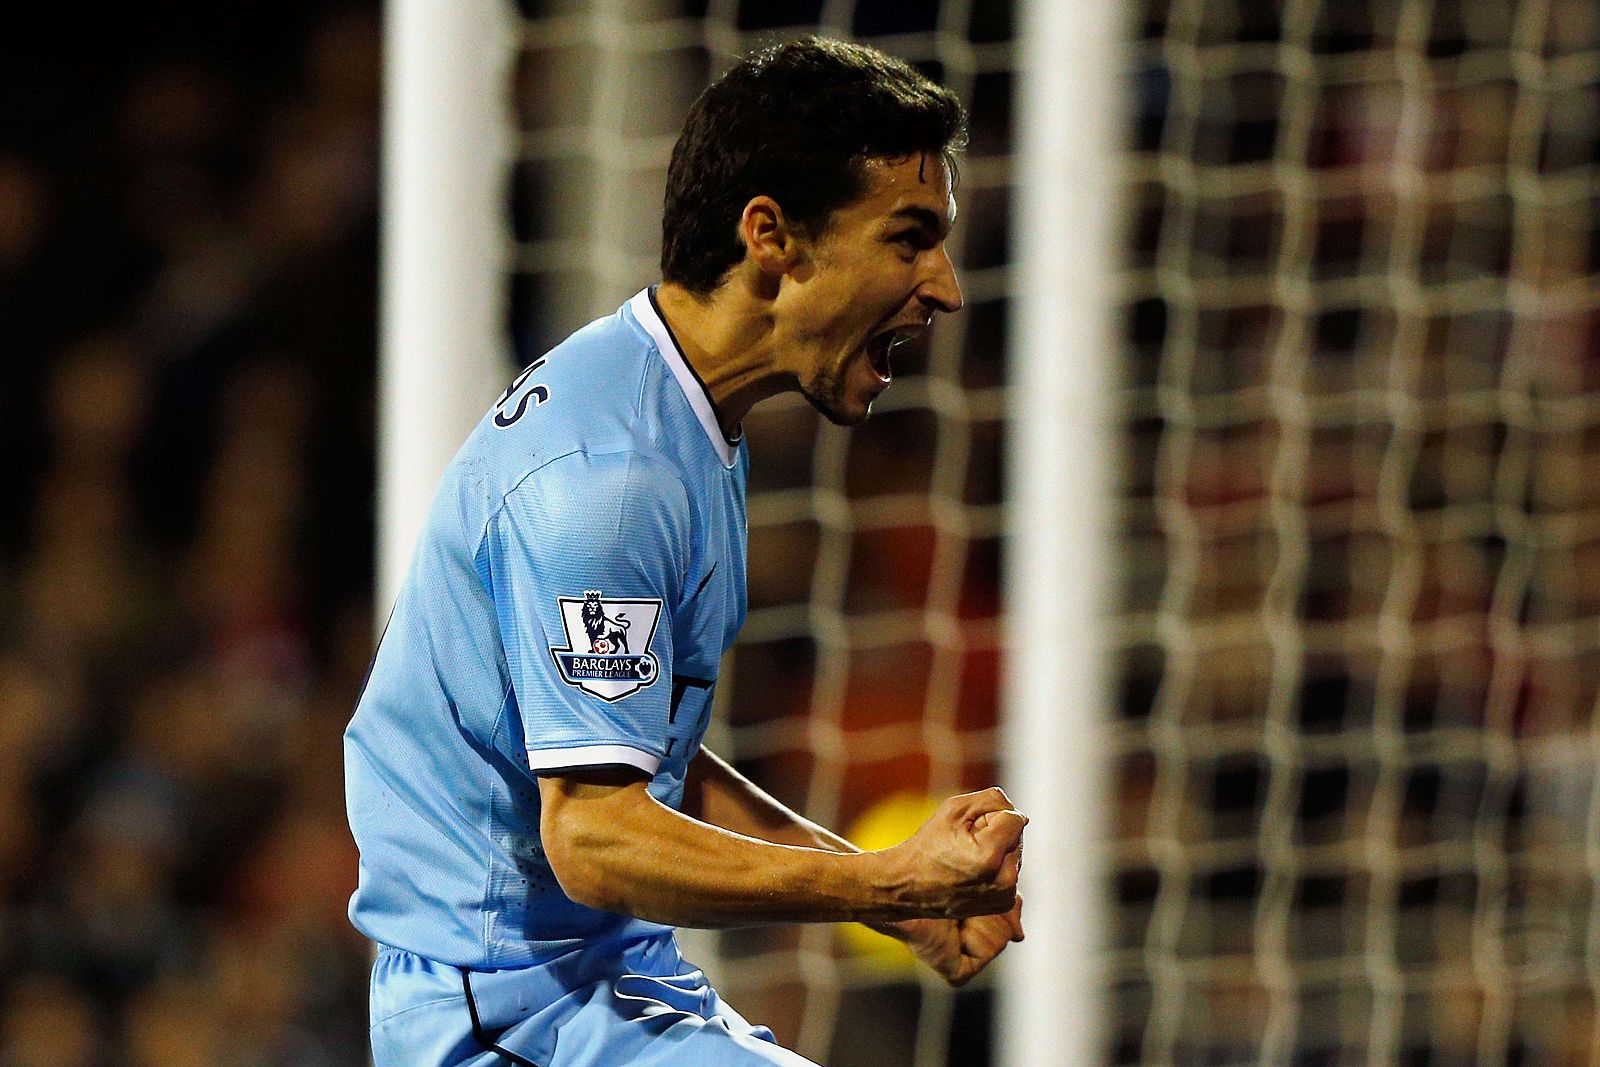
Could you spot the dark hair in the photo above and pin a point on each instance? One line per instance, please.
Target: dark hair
(796, 122)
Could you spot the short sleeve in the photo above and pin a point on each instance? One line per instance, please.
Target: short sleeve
(585, 562)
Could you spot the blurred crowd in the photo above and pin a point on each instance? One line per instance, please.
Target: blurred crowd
(187, 292)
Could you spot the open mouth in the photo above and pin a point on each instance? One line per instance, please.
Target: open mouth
(878, 348)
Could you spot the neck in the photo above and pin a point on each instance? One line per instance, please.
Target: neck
(728, 338)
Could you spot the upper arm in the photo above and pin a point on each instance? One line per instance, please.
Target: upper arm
(700, 766)
(709, 788)
(573, 793)
(584, 812)
(585, 562)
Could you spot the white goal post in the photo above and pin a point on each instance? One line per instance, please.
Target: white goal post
(443, 350)
(1060, 564)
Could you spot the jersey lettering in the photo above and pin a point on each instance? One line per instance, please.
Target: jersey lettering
(539, 393)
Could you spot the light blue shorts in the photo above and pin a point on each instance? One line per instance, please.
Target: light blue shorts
(614, 1004)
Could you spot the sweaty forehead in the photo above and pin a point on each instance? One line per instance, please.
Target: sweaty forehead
(917, 185)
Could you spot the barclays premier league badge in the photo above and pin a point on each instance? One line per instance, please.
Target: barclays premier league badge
(608, 644)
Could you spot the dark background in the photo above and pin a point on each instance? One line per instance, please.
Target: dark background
(187, 324)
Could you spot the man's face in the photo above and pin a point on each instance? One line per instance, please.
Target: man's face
(876, 276)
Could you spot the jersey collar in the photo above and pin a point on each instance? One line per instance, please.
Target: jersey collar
(644, 309)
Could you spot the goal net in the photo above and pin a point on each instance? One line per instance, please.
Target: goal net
(865, 680)
(1360, 509)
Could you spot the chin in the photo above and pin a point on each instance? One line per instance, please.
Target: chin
(846, 418)
(829, 394)
(836, 409)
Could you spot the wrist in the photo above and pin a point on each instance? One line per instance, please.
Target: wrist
(886, 898)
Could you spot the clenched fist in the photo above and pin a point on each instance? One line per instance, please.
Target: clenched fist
(964, 860)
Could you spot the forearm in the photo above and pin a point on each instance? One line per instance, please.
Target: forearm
(631, 854)
(956, 949)
(717, 794)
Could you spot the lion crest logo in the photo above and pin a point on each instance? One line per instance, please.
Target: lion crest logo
(602, 633)
(606, 634)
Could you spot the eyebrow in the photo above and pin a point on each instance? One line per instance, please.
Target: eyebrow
(928, 220)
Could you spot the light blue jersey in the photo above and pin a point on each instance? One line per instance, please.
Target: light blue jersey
(580, 575)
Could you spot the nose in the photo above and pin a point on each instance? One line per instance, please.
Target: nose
(940, 290)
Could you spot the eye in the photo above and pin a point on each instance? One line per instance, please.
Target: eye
(912, 242)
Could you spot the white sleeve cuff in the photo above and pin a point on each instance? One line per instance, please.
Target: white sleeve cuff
(553, 759)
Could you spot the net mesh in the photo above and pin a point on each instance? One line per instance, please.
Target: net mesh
(866, 673)
(1356, 740)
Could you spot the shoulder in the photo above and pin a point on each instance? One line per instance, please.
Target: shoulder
(606, 359)
(624, 510)
(625, 492)
(583, 395)
(606, 474)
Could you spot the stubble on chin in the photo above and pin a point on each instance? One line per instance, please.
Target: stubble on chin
(825, 392)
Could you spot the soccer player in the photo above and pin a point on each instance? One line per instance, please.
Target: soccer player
(524, 771)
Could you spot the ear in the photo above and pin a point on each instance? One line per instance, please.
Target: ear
(770, 240)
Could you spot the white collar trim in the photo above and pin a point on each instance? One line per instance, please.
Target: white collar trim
(644, 309)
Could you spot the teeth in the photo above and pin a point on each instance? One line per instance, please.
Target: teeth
(878, 351)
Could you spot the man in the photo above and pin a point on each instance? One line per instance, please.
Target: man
(524, 771)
